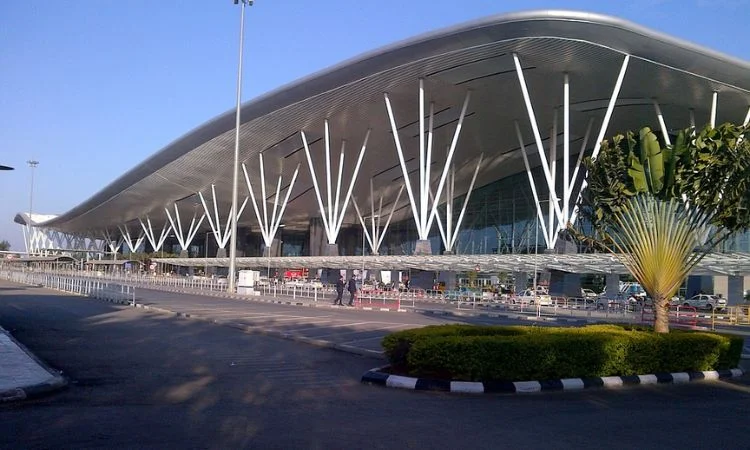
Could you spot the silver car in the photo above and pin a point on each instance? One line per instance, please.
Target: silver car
(705, 301)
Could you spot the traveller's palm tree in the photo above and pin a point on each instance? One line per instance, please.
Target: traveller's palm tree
(661, 210)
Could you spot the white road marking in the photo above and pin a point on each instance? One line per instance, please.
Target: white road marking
(333, 326)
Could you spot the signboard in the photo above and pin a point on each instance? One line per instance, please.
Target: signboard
(293, 274)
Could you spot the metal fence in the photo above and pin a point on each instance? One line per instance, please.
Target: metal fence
(90, 287)
(121, 287)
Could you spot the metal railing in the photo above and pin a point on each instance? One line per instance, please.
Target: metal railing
(95, 288)
(121, 287)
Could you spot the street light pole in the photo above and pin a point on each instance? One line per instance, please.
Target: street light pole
(235, 167)
(372, 223)
(536, 259)
(363, 256)
(32, 164)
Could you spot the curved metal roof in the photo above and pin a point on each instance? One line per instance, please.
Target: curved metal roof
(475, 55)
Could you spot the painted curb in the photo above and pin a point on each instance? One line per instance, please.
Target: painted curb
(377, 377)
(54, 383)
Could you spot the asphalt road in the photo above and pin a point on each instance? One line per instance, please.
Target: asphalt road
(343, 326)
(346, 326)
(141, 379)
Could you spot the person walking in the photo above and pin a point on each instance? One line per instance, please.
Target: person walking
(352, 288)
(339, 291)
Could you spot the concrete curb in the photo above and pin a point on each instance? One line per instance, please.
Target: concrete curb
(54, 383)
(378, 377)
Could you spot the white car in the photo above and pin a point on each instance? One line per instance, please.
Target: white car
(588, 294)
(705, 301)
(529, 297)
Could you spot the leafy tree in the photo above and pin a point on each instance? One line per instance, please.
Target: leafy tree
(660, 210)
(4, 246)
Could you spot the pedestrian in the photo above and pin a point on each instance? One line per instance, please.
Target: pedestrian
(352, 290)
(339, 291)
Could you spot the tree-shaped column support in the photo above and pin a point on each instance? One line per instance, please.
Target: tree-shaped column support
(268, 228)
(222, 235)
(184, 237)
(423, 210)
(333, 215)
(376, 234)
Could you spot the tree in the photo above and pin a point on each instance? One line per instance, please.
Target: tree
(660, 210)
(4, 246)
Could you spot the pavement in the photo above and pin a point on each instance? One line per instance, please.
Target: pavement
(157, 297)
(23, 375)
(319, 323)
(147, 379)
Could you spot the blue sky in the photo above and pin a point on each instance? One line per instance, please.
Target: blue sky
(91, 88)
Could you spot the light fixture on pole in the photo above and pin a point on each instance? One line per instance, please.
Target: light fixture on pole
(235, 167)
(32, 164)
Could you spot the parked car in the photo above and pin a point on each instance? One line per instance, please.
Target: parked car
(528, 296)
(705, 301)
(588, 294)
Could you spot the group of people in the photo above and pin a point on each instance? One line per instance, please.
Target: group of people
(351, 287)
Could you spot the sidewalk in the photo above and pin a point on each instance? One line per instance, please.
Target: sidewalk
(22, 375)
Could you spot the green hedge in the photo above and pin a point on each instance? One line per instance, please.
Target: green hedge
(473, 353)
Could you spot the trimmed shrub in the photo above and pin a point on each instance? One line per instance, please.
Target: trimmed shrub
(397, 345)
(494, 353)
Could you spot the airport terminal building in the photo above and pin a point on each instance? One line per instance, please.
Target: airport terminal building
(456, 150)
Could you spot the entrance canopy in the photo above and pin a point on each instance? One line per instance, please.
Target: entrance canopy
(734, 264)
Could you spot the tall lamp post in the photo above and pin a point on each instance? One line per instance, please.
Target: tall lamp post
(536, 260)
(372, 220)
(32, 164)
(235, 167)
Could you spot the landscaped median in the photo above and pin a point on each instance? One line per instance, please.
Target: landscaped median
(530, 358)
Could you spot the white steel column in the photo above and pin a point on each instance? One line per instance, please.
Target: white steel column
(662, 125)
(132, 245)
(333, 216)
(603, 129)
(610, 108)
(222, 238)
(454, 232)
(114, 245)
(449, 233)
(747, 118)
(537, 138)
(553, 171)
(423, 209)
(571, 186)
(539, 214)
(376, 234)
(448, 162)
(184, 238)
(714, 101)
(155, 242)
(268, 228)
(566, 145)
